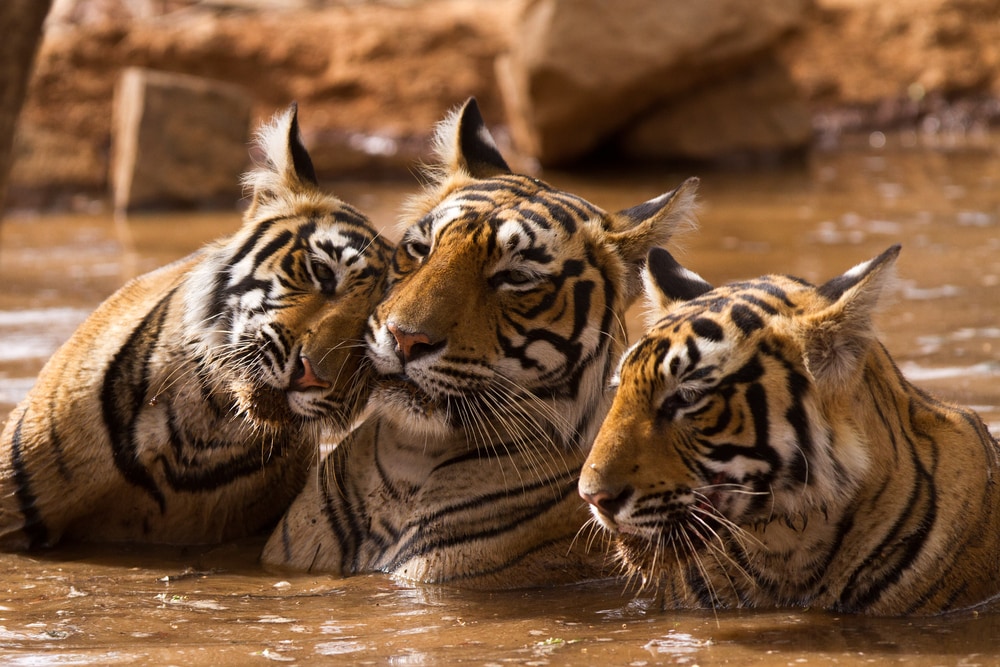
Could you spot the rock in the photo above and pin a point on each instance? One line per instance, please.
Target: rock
(177, 140)
(361, 73)
(582, 69)
(758, 111)
(901, 49)
(371, 78)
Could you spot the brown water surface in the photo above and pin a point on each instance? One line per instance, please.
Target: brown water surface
(216, 606)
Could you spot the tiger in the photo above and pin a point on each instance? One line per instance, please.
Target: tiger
(763, 450)
(492, 349)
(189, 406)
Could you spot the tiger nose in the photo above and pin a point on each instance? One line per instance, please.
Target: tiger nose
(411, 345)
(608, 502)
(304, 377)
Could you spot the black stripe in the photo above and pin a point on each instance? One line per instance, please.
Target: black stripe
(798, 390)
(907, 537)
(218, 303)
(425, 542)
(250, 281)
(186, 476)
(123, 395)
(34, 527)
(708, 329)
(745, 319)
(343, 509)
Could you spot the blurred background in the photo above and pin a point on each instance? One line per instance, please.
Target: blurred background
(823, 132)
(564, 83)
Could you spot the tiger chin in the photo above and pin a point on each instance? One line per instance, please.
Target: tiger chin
(763, 450)
(188, 407)
(492, 349)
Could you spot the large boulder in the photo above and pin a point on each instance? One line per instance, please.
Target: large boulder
(371, 78)
(581, 70)
(177, 140)
(753, 114)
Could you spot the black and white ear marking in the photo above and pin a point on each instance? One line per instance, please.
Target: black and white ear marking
(634, 231)
(301, 162)
(667, 282)
(464, 144)
(676, 282)
(286, 167)
(835, 288)
(477, 146)
(838, 336)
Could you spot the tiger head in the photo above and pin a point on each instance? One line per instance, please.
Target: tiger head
(506, 297)
(732, 411)
(277, 311)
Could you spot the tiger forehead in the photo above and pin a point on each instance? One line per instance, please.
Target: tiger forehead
(511, 201)
(343, 244)
(744, 307)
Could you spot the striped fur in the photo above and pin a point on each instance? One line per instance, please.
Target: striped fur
(763, 450)
(187, 408)
(493, 345)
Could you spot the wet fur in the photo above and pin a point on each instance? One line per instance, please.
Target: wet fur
(508, 295)
(763, 450)
(188, 407)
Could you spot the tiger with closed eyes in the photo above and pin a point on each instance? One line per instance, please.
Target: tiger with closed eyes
(492, 348)
(763, 450)
(188, 407)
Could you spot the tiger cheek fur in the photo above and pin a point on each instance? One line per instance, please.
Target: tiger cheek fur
(763, 450)
(187, 408)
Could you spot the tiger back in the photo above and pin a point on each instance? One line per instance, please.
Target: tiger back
(763, 450)
(187, 408)
(492, 349)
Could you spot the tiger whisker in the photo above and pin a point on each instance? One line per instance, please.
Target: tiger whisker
(716, 546)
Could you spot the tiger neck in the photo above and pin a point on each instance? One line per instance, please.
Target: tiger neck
(555, 435)
(888, 413)
(888, 437)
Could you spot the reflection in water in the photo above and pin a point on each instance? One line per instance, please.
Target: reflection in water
(216, 606)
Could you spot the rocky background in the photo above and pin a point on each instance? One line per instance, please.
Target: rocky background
(564, 82)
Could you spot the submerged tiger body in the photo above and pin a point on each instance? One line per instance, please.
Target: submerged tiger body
(492, 347)
(763, 450)
(187, 408)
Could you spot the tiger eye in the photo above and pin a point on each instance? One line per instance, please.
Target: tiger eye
(326, 278)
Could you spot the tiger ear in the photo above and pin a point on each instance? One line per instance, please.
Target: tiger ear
(666, 282)
(838, 337)
(286, 165)
(635, 231)
(463, 144)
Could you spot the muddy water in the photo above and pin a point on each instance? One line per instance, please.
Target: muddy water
(87, 605)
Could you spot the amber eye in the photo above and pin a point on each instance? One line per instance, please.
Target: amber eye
(514, 278)
(416, 249)
(326, 277)
(679, 400)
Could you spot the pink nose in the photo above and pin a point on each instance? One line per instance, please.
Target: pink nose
(306, 378)
(411, 344)
(609, 503)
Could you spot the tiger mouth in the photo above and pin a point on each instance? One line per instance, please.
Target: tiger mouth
(653, 556)
(270, 405)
